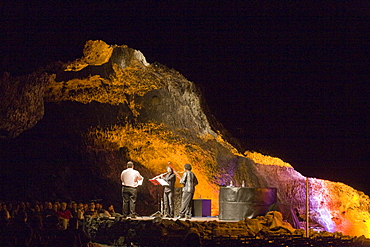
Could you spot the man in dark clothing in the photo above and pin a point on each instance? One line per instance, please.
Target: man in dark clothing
(169, 189)
(189, 180)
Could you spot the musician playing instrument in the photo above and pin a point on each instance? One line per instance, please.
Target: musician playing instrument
(168, 192)
(189, 180)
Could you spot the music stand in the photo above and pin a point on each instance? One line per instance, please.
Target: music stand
(161, 182)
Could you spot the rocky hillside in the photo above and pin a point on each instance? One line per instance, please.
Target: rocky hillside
(67, 131)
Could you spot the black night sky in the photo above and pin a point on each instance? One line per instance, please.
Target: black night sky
(290, 81)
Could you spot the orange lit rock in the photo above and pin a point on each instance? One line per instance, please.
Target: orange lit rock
(95, 53)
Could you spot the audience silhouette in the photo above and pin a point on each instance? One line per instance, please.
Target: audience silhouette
(48, 223)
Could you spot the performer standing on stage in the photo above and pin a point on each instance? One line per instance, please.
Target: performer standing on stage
(130, 180)
(189, 180)
(169, 189)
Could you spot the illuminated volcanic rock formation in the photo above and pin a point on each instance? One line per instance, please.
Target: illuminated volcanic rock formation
(68, 129)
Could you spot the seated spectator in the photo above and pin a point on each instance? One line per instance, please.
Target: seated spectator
(80, 210)
(10, 209)
(101, 211)
(52, 228)
(80, 214)
(56, 206)
(4, 223)
(4, 219)
(74, 209)
(112, 212)
(64, 215)
(20, 231)
(29, 210)
(69, 205)
(37, 210)
(4, 209)
(36, 224)
(22, 206)
(49, 211)
(86, 207)
(90, 212)
(41, 205)
(16, 209)
(4, 232)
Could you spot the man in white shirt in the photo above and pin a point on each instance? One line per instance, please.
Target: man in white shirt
(130, 180)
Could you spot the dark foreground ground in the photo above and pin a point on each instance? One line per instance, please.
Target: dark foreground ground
(207, 231)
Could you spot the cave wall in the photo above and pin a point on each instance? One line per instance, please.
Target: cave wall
(68, 130)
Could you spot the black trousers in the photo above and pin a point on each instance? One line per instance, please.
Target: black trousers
(168, 203)
(129, 195)
(186, 205)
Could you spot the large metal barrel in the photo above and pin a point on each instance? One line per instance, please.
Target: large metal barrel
(238, 203)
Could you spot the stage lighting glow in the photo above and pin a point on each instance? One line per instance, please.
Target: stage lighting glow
(338, 207)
